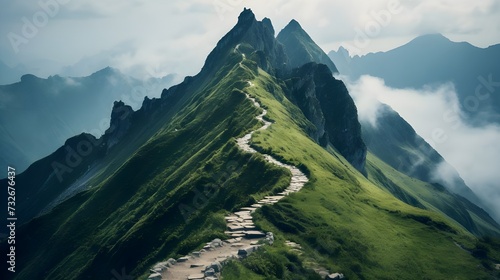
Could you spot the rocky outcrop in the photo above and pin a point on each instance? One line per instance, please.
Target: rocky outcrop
(327, 104)
(120, 123)
(257, 34)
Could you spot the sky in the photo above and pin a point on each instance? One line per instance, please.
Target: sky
(155, 38)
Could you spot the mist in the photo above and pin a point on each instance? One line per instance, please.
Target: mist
(436, 115)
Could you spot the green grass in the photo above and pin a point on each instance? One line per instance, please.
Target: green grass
(354, 226)
(270, 262)
(165, 200)
(166, 194)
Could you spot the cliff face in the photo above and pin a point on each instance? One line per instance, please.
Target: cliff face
(326, 102)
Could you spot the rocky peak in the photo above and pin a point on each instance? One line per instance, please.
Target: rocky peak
(121, 116)
(257, 34)
(294, 25)
(246, 17)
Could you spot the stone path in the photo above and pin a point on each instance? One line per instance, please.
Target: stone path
(244, 238)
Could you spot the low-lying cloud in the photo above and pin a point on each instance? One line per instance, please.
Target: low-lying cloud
(435, 114)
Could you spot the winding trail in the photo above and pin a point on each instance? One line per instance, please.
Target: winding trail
(241, 228)
(244, 238)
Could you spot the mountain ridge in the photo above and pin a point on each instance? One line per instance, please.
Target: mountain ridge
(434, 59)
(162, 190)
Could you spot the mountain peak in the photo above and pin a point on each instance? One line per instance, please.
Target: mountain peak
(435, 38)
(293, 25)
(28, 78)
(259, 35)
(301, 48)
(247, 16)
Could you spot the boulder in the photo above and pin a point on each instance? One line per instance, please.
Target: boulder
(217, 243)
(209, 272)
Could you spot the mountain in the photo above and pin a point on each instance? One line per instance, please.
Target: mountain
(301, 49)
(393, 141)
(434, 59)
(159, 182)
(57, 108)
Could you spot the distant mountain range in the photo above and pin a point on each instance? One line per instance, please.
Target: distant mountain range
(431, 60)
(37, 115)
(160, 180)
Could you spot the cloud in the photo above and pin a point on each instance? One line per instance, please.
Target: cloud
(434, 113)
(179, 34)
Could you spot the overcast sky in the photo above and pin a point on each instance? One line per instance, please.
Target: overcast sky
(77, 37)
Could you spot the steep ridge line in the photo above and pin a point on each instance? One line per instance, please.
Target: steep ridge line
(206, 263)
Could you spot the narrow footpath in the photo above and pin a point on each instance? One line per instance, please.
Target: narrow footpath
(207, 263)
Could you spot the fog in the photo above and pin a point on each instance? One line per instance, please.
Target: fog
(436, 115)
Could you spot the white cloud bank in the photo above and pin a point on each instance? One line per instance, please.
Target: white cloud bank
(434, 113)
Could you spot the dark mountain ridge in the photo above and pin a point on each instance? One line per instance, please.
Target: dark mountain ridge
(431, 60)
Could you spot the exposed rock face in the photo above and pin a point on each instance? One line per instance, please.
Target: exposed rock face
(120, 122)
(326, 102)
(258, 34)
(301, 49)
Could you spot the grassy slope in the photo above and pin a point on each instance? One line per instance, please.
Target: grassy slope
(133, 218)
(429, 196)
(354, 226)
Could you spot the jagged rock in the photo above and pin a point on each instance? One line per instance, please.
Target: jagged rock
(120, 122)
(196, 276)
(326, 102)
(183, 259)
